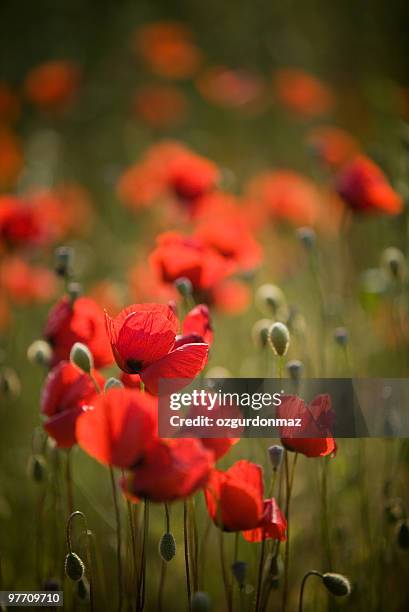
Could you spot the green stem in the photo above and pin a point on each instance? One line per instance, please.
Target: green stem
(304, 580)
(186, 546)
(118, 536)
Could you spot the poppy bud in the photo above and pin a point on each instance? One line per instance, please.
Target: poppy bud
(184, 286)
(9, 383)
(295, 369)
(270, 299)
(74, 567)
(200, 602)
(63, 261)
(279, 338)
(403, 535)
(394, 510)
(39, 353)
(337, 584)
(113, 382)
(307, 236)
(394, 264)
(239, 569)
(81, 356)
(36, 468)
(259, 333)
(83, 589)
(167, 546)
(276, 453)
(341, 336)
(74, 291)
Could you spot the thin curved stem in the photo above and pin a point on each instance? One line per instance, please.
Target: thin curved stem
(186, 546)
(304, 580)
(118, 536)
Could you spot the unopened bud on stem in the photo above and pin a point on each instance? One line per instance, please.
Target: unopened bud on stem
(81, 356)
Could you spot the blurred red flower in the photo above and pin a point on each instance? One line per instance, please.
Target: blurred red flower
(160, 106)
(283, 195)
(65, 393)
(234, 498)
(20, 225)
(232, 88)
(365, 188)
(273, 524)
(10, 106)
(314, 438)
(303, 93)
(81, 321)
(51, 86)
(11, 158)
(25, 283)
(332, 145)
(170, 470)
(168, 49)
(119, 427)
(197, 324)
(143, 338)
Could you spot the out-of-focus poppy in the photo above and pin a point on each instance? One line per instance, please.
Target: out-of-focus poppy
(9, 104)
(197, 323)
(284, 195)
(147, 287)
(20, 225)
(133, 381)
(177, 256)
(160, 106)
(332, 145)
(230, 88)
(303, 93)
(314, 438)
(119, 427)
(365, 188)
(108, 295)
(170, 470)
(11, 158)
(51, 86)
(81, 321)
(219, 446)
(143, 338)
(231, 296)
(25, 283)
(65, 393)
(168, 49)
(234, 498)
(66, 209)
(168, 170)
(273, 524)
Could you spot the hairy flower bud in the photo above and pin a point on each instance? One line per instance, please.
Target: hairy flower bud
(74, 291)
(83, 589)
(81, 356)
(337, 584)
(403, 535)
(10, 385)
(239, 569)
(295, 369)
(394, 263)
(259, 333)
(113, 383)
(184, 286)
(307, 236)
(63, 261)
(200, 602)
(279, 338)
(36, 468)
(74, 566)
(167, 546)
(39, 353)
(341, 336)
(270, 299)
(276, 453)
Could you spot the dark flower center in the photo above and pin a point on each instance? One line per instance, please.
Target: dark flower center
(134, 366)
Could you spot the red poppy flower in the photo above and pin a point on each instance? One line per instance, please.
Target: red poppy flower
(160, 105)
(284, 195)
(168, 48)
(177, 256)
(83, 321)
(365, 188)
(119, 428)
(234, 498)
(219, 446)
(52, 85)
(332, 145)
(143, 342)
(65, 393)
(25, 283)
(314, 437)
(303, 93)
(11, 157)
(231, 88)
(19, 223)
(170, 470)
(197, 325)
(273, 525)
(190, 176)
(231, 296)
